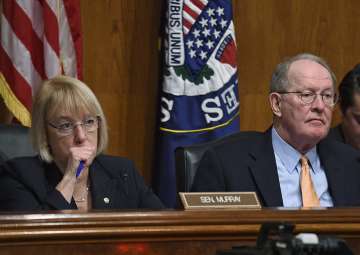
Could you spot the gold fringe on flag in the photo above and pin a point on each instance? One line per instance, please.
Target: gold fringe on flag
(13, 104)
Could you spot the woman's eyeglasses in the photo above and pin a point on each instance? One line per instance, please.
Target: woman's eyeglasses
(65, 128)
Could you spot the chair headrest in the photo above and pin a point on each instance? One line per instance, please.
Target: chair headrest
(187, 158)
(14, 141)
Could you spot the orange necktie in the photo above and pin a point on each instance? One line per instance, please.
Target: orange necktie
(308, 193)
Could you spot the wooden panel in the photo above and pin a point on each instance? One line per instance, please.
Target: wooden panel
(122, 60)
(269, 31)
(162, 232)
(121, 51)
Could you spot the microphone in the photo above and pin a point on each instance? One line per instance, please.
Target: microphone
(277, 238)
(311, 243)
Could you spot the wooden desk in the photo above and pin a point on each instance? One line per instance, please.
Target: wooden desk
(161, 232)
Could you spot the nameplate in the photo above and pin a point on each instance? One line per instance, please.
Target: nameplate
(204, 200)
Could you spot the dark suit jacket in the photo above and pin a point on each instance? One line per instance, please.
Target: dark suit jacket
(248, 164)
(336, 133)
(29, 184)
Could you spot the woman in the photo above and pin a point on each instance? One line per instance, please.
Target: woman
(69, 131)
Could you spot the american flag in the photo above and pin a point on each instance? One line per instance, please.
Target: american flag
(191, 10)
(39, 40)
(204, 24)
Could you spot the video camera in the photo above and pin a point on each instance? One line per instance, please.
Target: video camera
(278, 239)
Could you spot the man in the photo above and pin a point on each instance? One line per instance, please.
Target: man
(302, 97)
(348, 131)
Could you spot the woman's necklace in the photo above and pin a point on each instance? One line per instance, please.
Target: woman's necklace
(84, 196)
(81, 192)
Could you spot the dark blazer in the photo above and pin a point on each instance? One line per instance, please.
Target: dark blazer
(248, 164)
(28, 184)
(336, 133)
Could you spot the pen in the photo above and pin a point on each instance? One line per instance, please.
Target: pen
(80, 168)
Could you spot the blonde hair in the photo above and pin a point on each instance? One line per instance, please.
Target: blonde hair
(65, 94)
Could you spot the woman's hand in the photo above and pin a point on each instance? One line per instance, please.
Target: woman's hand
(85, 153)
(77, 154)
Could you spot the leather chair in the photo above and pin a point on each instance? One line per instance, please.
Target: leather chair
(187, 159)
(14, 142)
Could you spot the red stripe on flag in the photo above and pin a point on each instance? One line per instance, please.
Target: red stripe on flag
(22, 27)
(17, 83)
(51, 28)
(73, 14)
(187, 24)
(198, 4)
(193, 14)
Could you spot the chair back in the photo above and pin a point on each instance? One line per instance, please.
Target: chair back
(14, 142)
(187, 159)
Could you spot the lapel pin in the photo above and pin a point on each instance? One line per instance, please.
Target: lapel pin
(106, 200)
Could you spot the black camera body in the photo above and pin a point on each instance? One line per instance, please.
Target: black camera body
(278, 239)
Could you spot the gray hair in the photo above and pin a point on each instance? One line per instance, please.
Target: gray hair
(280, 80)
(63, 93)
